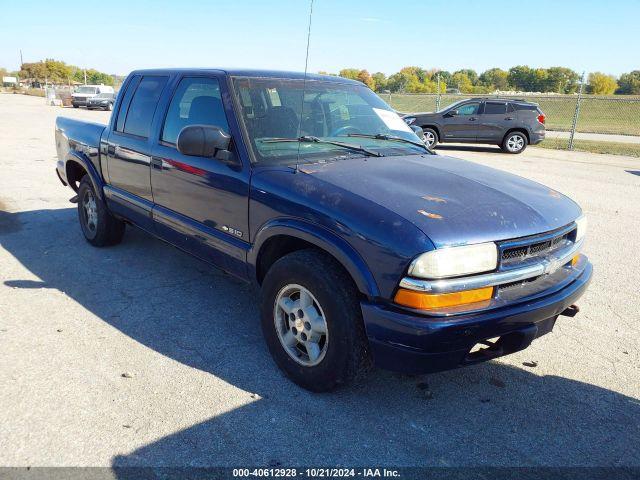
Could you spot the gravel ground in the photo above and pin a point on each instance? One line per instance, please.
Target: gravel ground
(142, 355)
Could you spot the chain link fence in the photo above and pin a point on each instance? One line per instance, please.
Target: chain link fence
(594, 123)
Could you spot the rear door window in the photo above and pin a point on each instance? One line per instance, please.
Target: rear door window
(495, 108)
(143, 106)
(197, 101)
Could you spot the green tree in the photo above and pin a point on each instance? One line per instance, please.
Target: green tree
(462, 82)
(496, 78)
(562, 80)
(351, 73)
(629, 83)
(471, 75)
(522, 78)
(380, 80)
(602, 84)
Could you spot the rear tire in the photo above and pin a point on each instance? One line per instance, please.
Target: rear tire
(431, 137)
(312, 321)
(514, 142)
(75, 106)
(109, 107)
(99, 227)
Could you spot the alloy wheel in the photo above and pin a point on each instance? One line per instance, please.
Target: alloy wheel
(301, 325)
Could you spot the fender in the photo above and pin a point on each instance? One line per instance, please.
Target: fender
(322, 238)
(83, 160)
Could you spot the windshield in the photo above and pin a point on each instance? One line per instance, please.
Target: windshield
(86, 90)
(332, 112)
(104, 95)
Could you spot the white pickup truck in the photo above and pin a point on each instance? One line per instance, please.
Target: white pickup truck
(85, 92)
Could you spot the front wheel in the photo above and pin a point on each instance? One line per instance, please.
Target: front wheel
(514, 142)
(99, 227)
(430, 137)
(312, 322)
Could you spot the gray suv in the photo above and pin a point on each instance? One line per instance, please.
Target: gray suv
(511, 124)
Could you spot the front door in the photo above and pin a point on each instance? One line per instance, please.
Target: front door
(201, 204)
(463, 124)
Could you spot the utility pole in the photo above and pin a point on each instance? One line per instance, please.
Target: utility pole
(85, 76)
(21, 61)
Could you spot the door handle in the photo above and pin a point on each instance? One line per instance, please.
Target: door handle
(156, 163)
(509, 118)
(111, 150)
(472, 119)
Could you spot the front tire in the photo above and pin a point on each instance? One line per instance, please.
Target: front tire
(312, 322)
(430, 137)
(99, 227)
(514, 142)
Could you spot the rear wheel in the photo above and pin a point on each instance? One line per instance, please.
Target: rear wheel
(514, 142)
(312, 322)
(75, 106)
(99, 227)
(109, 107)
(430, 137)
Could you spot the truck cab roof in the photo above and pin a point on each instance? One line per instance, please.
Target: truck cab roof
(246, 72)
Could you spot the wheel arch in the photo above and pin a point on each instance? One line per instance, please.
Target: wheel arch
(435, 128)
(76, 166)
(517, 129)
(283, 236)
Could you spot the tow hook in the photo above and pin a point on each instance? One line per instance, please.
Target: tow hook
(74, 199)
(570, 311)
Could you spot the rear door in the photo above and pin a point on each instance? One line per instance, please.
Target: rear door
(463, 126)
(128, 150)
(494, 121)
(201, 204)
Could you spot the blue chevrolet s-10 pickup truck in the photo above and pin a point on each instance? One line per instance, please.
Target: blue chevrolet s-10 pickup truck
(368, 247)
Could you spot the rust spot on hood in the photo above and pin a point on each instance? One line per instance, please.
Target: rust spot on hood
(434, 199)
(554, 194)
(435, 216)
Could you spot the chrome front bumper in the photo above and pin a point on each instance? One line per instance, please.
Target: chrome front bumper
(544, 266)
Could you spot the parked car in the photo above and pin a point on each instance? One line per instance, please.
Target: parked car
(511, 124)
(103, 101)
(82, 94)
(367, 246)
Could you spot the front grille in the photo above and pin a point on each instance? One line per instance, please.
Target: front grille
(536, 249)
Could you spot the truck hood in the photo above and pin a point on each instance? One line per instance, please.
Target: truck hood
(451, 200)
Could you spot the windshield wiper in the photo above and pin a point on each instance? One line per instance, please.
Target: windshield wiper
(393, 138)
(311, 139)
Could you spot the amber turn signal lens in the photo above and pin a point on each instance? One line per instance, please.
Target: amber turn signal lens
(431, 301)
(575, 259)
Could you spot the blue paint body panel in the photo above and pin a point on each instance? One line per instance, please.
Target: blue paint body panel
(374, 215)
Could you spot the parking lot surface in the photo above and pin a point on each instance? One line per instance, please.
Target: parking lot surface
(141, 355)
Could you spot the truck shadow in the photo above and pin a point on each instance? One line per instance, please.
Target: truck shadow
(491, 414)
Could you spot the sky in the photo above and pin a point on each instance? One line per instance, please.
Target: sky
(118, 36)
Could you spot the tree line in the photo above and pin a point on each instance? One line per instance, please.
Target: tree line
(520, 78)
(58, 72)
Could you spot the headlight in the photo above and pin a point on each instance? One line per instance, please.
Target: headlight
(455, 261)
(581, 229)
(409, 120)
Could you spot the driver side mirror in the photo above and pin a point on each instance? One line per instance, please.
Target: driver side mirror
(204, 141)
(451, 113)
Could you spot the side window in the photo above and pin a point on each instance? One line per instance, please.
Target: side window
(197, 101)
(124, 105)
(495, 108)
(143, 105)
(468, 109)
